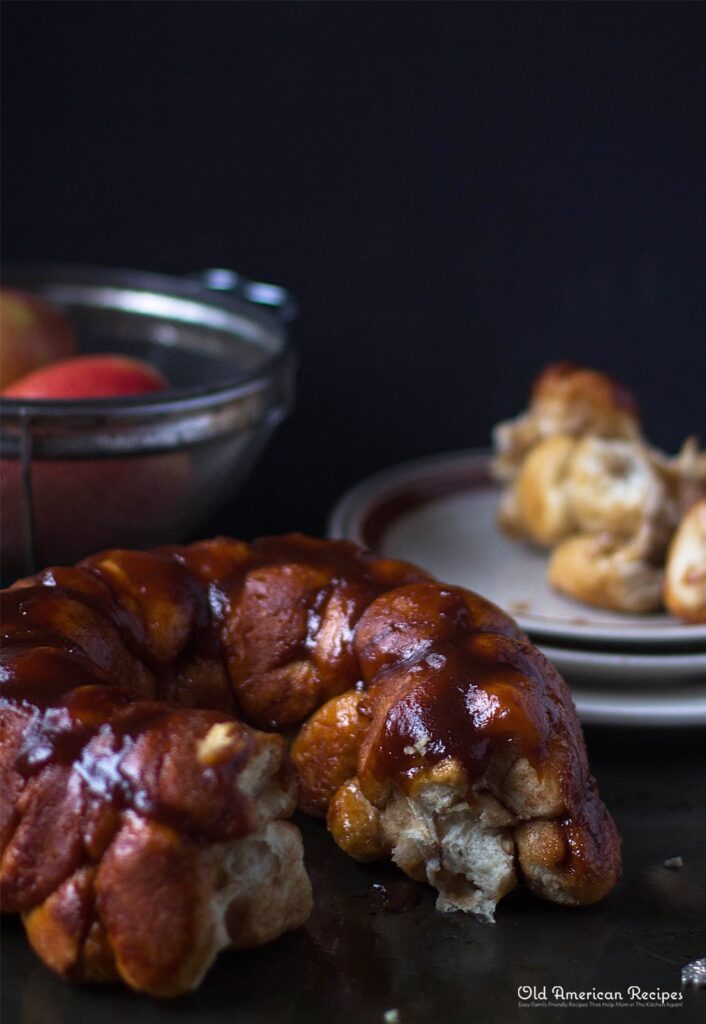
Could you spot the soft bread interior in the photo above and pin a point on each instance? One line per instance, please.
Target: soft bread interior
(262, 887)
(473, 845)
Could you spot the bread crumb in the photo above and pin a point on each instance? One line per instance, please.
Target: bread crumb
(391, 1016)
(675, 863)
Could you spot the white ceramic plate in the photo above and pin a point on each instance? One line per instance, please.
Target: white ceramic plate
(680, 706)
(617, 669)
(440, 513)
(614, 688)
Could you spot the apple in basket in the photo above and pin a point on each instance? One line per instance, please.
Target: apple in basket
(82, 505)
(94, 376)
(32, 334)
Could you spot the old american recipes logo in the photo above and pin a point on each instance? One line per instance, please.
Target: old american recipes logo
(632, 995)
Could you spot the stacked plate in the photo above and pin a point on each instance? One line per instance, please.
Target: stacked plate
(440, 513)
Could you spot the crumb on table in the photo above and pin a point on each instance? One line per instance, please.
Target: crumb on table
(675, 863)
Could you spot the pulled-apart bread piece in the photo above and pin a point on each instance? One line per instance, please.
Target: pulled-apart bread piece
(139, 838)
(616, 487)
(609, 511)
(535, 504)
(684, 475)
(685, 578)
(142, 824)
(462, 758)
(608, 571)
(580, 478)
(566, 399)
(589, 485)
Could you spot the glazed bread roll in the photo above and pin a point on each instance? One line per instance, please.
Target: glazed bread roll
(144, 821)
(449, 760)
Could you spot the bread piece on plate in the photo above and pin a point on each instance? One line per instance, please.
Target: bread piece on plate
(540, 493)
(684, 475)
(685, 578)
(615, 487)
(566, 399)
(592, 485)
(608, 572)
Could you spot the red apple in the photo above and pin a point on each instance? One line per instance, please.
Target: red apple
(83, 505)
(96, 376)
(32, 333)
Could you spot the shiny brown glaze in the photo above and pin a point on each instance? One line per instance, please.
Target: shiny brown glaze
(113, 672)
(449, 675)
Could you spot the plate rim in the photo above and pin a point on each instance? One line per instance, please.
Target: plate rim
(348, 516)
(620, 708)
(606, 658)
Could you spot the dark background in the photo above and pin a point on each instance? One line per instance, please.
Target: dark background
(457, 193)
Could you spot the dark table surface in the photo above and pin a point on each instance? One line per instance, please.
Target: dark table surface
(354, 960)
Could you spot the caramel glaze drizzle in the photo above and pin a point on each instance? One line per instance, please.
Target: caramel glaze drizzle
(451, 677)
(92, 654)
